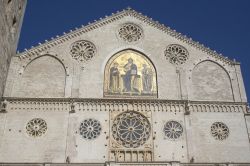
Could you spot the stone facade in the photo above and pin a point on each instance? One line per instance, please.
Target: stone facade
(11, 17)
(89, 97)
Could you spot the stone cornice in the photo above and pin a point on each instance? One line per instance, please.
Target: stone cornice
(113, 163)
(41, 48)
(65, 104)
(129, 100)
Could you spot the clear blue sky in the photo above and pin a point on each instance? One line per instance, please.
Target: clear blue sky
(223, 25)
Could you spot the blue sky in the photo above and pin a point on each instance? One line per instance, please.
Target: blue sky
(223, 25)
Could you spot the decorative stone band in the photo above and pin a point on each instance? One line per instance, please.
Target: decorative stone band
(131, 155)
(111, 163)
(176, 163)
(66, 104)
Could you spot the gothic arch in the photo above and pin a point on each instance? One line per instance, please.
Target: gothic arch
(130, 74)
(44, 76)
(210, 81)
(49, 54)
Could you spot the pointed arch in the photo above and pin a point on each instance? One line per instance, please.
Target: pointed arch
(130, 74)
(210, 81)
(44, 76)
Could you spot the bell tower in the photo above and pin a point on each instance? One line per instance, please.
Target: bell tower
(11, 18)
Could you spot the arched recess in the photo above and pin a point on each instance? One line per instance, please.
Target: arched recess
(130, 74)
(211, 82)
(43, 77)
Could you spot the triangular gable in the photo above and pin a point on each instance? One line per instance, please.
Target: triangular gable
(114, 17)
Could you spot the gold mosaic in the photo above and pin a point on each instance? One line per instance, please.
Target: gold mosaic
(130, 74)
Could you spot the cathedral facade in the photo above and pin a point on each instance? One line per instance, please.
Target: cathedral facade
(124, 90)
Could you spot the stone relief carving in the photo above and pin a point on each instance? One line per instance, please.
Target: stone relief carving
(36, 127)
(173, 130)
(131, 129)
(90, 129)
(129, 73)
(83, 50)
(176, 54)
(131, 155)
(219, 131)
(130, 32)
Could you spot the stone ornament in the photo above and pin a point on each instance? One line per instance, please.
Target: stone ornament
(219, 131)
(173, 130)
(130, 32)
(36, 127)
(83, 50)
(131, 129)
(90, 129)
(176, 54)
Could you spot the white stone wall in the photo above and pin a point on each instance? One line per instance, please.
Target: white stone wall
(166, 149)
(204, 148)
(18, 146)
(63, 140)
(86, 79)
(80, 149)
(45, 77)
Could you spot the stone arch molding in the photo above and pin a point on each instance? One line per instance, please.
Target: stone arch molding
(64, 63)
(43, 76)
(130, 74)
(210, 81)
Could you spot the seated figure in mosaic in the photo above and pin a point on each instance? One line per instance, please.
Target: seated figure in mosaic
(129, 79)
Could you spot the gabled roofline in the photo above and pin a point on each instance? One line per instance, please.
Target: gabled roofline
(109, 19)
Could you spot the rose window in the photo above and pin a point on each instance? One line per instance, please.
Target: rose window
(130, 32)
(83, 50)
(176, 54)
(90, 129)
(173, 130)
(219, 131)
(131, 129)
(36, 127)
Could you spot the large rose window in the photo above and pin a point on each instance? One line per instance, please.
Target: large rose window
(131, 129)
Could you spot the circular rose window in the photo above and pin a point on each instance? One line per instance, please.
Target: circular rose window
(219, 130)
(131, 129)
(90, 129)
(82, 50)
(176, 54)
(36, 127)
(130, 32)
(173, 130)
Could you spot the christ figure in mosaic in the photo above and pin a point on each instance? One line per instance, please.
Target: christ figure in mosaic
(130, 75)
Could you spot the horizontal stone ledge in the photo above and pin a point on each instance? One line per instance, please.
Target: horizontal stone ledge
(129, 100)
(83, 104)
(126, 164)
